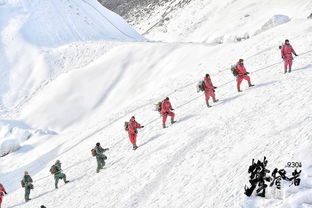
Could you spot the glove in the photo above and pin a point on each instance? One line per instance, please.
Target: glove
(246, 73)
(5, 193)
(282, 57)
(142, 126)
(296, 54)
(172, 109)
(215, 87)
(213, 91)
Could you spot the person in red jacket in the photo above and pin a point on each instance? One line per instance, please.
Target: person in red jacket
(133, 127)
(287, 51)
(166, 110)
(242, 74)
(209, 90)
(2, 192)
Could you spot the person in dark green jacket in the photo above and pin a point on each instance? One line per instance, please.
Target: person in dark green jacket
(27, 183)
(58, 174)
(100, 157)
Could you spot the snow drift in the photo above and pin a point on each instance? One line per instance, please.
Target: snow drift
(273, 22)
(14, 133)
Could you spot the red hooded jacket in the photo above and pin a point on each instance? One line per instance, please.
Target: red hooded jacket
(133, 126)
(241, 70)
(166, 106)
(208, 84)
(287, 51)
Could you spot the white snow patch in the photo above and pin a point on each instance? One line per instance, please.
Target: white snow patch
(273, 22)
(14, 133)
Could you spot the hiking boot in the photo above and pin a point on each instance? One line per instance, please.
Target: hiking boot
(97, 170)
(164, 125)
(238, 89)
(27, 200)
(135, 147)
(251, 85)
(215, 100)
(66, 182)
(56, 187)
(289, 70)
(285, 71)
(172, 122)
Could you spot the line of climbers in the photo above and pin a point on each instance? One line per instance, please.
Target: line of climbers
(27, 182)
(57, 172)
(165, 109)
(238, 70)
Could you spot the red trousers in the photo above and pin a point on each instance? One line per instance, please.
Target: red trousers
(288, 63)
(241, 78)
(165, 115)
(132, 138)
(208, 94)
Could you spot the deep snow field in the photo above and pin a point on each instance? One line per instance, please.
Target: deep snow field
(73, 72)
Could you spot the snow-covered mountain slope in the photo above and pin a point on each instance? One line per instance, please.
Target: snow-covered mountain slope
(30, 28)
(41, 39)
(207, 20)
(202, 160)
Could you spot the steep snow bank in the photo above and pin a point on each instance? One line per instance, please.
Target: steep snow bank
(29, 29)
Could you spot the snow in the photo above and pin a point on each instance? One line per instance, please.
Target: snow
(71, 92)
(38, 44)
(30, 26)
(205, 21)
(14, 133)
(273, 22)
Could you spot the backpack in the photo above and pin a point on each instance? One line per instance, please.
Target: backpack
(200, 86)
(158, 107)
(53, 169)
(126, 126)
(93, 152)
(234, 70)
(22, 183)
